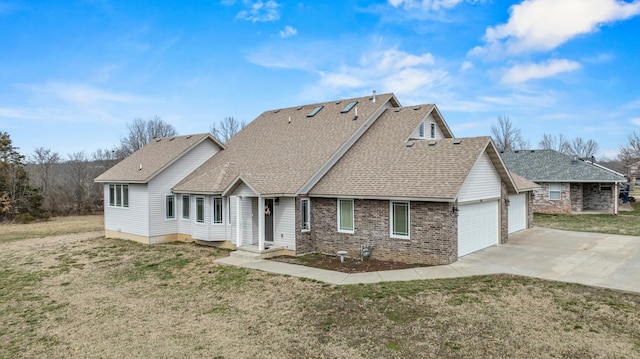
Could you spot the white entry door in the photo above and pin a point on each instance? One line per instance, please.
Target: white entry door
(477, 226)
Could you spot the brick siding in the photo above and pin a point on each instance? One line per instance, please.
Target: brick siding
(542, 203)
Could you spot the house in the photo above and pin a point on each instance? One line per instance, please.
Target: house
(567, 184)
(356, 174)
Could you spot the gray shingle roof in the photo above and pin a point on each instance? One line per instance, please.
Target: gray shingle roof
(553, 166)
(281, 150)
(381, 164)
(142, 165)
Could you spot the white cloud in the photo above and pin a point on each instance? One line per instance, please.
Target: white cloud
(543, 25)
(260, 11)
(525, 72)
(635, 121)
(467, 65)
(288, 32)
(81, 94)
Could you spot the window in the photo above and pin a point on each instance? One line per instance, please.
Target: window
(170, 207)
(349, 106)
(200, 209)
(119, 195)
(433, 130)
(305, 215)
(554, 191)
(217, 210)
(421, 130)
(400, 219)
(315, 111)
(186, 204)
(345, 215)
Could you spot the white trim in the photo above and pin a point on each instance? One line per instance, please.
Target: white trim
(204, 217)
(433, 131)
(214, 212)
(166, 208)
(391, 221)
(421, 130)
(307, 214)
(353, 225)
(115, 194)
(182, 197)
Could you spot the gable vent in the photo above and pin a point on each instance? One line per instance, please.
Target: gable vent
(315, 111)
(457, 142)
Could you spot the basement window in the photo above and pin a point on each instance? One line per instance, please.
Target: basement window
(314, 111)
(349, 106)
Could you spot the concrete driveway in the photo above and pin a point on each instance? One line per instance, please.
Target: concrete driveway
(604, 260)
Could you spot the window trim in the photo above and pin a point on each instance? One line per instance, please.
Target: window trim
(118, 195)
(421, 130)
(392, 208)
(339, 219)
(305, 211)
(201, 200)
(170, 215)
(559, 191)
(214, 211)
(433, 133)
(188, 207)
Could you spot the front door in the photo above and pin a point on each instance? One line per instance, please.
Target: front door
(268, 220)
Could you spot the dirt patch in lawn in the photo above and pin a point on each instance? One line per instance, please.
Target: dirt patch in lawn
(349, 265)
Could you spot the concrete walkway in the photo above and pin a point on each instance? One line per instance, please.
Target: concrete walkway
(595, 259)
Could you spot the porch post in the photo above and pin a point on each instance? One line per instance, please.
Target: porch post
(260, 223)
(238, 221)
(616, 198)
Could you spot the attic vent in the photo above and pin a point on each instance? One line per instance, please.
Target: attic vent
(276, 111)
(158, 139)
(299, 108)
(457, 142)
(349, 106)
(314, 111)
(409, 144)
(533, 151)
(338, 102)
(416, 108)
(172, 138)
(398, 109)
(432, 143)
(188, 137)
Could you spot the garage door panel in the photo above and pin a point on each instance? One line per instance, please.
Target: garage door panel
(517, 212)
(477, 226)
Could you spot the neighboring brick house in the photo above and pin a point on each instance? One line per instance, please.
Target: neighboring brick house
(567, 184)
(338, 175)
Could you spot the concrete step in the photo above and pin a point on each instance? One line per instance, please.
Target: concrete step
(253, 252)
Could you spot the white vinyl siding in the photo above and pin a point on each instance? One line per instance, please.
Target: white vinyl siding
(477, 226)
(345, 215)
(554, 191)
(517, 212)
(427, 129)
(135, 219)
(170, 207)
(483, 182)
(305, 214)
(399, 219)
(284, 222)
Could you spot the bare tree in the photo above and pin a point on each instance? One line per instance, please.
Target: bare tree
(506, 136)
(583, 149)
(630, 153)
(228, 128)
(42, 164)
(142, 132)
(551, 142)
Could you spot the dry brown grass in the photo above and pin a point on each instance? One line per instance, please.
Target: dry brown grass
(53, 227)
(86, 296)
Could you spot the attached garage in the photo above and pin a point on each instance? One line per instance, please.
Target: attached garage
(478, 226)
(517, 212)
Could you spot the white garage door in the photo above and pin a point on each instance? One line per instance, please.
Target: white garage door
(517, 212)
(477, 226)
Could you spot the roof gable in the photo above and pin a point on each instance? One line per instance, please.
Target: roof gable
(553, 166)
(147, 162)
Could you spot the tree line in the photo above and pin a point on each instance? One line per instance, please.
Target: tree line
(46, 183)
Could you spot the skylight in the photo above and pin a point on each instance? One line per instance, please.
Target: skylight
(315, 111)
(349, 106)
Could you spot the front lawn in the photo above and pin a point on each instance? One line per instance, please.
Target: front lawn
(77, 296)
(625, 223)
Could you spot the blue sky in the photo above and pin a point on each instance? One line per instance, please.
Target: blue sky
(74, 73)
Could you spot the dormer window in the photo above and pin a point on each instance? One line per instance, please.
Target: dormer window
(421, 130)
(433, 130)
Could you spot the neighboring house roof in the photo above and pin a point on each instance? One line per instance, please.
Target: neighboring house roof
(552, 166)
(522, 183)
(284, 150)
(144, 164)
(385, 163)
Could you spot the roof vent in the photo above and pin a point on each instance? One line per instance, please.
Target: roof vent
(533, 151)
(315, 111)
(276, 111)
(432, 142)
(457, 142)
(188, 137)
(416, 108)
(158, 139)
(373, 99)
(338, 102)
(299, 108)
(409, 144)
(398, 109)
(172, 138)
